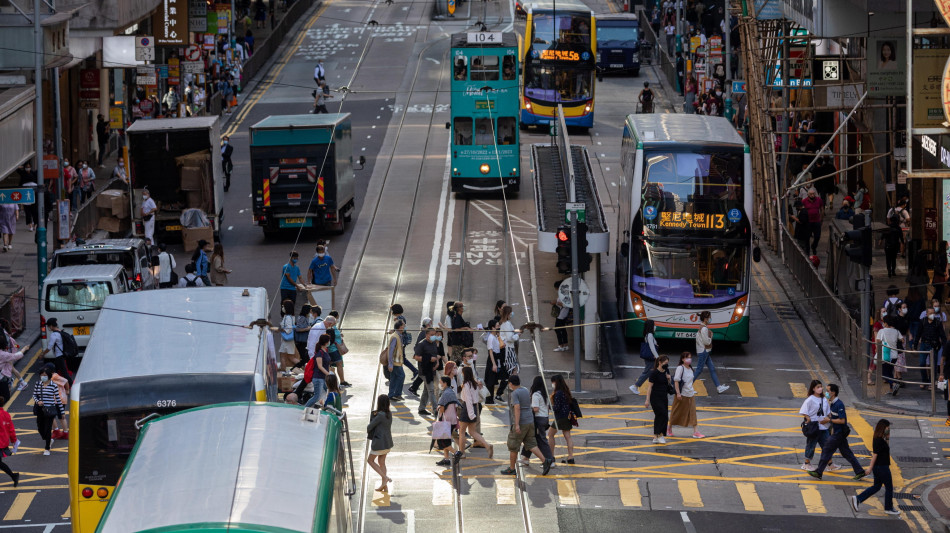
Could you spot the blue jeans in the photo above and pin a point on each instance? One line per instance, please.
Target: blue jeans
(820, 439)
(647, 368)
(397, 377)
(882, 477)
(705, 358)
(319, 392)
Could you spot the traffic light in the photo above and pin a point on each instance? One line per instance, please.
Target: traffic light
(563, 249)
(859, 249)
(583, 258)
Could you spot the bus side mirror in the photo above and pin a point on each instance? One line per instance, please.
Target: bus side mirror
(448, 125)
(756, 254)
(624, 249)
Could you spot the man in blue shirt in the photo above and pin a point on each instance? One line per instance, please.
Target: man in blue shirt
(289, 279)
(322, 270)
(203, 263)
(838, 441)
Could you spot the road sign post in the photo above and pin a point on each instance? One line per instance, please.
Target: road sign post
(22, 196)
(575, 301)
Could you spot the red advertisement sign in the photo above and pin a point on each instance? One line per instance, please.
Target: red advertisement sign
(89, 88)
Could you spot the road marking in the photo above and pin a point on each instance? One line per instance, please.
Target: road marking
(441, 492)
(686, 522)
(20, 504)
(812, 499)
(630, 492)
(799, 390)
(747, 389)
(437, 240)
(944, 495)
(505, 492)
(700, 388)
(689, 490)
(567, 492)
(750, 498)
(230, 228)
(68, 513)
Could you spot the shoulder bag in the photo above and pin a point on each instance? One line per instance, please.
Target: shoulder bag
(810, 429)
(576, 409)
(441, 430)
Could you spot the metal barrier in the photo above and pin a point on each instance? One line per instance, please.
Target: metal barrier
(264, 50)
(13, 310)
(662, 57)
(829, 309)
(876, 388)
(87, 217)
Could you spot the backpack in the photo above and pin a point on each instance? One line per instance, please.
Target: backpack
(193, 282)
(70, 348)
(891, 309)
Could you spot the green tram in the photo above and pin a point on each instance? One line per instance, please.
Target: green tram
(237, 467)
(485, 149)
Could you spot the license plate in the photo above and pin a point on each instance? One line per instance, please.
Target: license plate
(293, 196)
(684, 335)
(173, 228)
(616, 65)
(295, 222)
(80, 330)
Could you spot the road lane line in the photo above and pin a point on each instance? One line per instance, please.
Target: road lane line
(630, 492)
(689, 490)
(750, 498)
(442, 492)
(68, 513)
(505, 492)
(437, 242)
(799, 390)
(747, 389)
(567, 492)
(812, 499)
(20, 504)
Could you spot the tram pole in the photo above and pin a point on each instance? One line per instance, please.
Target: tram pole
(575, 302)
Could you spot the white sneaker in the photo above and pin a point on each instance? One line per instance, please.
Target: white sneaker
(662, 440)
(833, 467)
(22, 385)
(854, 503)
(722, 388)
(895, 512)
(809, 467)
(656, 440)
(523, 461)
(634, 389)
(45, 452)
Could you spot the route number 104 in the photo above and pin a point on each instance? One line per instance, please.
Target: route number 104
(166, 403)
(484, 37)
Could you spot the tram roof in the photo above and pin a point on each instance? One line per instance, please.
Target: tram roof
(228, 464)
(175, 331)
(650, 128)
(559, 5)
(508, 39)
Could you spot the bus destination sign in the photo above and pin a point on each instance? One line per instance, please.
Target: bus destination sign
(692, 220)
(560, 55)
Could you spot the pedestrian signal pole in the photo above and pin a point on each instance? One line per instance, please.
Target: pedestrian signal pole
(575, 301)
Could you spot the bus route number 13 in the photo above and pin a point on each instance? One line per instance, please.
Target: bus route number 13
(483, 37)
(166, 403)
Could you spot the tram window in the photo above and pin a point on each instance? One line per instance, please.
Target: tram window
(483, 131)
(485, 68)
(506, 130)
(461, 69)
(508, 68)
(463, 130)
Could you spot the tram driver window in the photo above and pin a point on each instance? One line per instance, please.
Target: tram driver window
(461, 69)
(506, 130)
(483, 131)
(508, 68)
(463, 130)
(485, 68)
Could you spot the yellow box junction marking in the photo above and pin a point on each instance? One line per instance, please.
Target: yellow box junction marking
(750, 498)
(630, 492)
(747, 389)
(20, 504)
(700, 388)
(689, 490)
(67, 514)
(812, 499)
(505, 492)
(799, 390)
(567, 492)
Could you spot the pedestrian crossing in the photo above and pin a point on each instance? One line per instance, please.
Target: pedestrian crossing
(747, 389)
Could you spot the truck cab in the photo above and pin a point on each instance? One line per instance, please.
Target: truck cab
(618, 43)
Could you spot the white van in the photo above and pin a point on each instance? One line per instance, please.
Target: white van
(73, 295)
(130, 253)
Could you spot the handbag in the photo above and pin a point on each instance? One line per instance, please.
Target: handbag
(809, 429)
(555, 310)
(441, 430)
(573, 418)
(286, 336)
(341, 347)
(576, 409)
(48, 411)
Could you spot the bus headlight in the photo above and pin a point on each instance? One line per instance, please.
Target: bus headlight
(527, 105)
(484, 168)
(587, 108)
(739, 311)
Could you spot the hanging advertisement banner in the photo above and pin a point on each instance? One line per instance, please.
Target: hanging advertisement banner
(928, 87)
(89, 88)
(171, 23)
(887, 67)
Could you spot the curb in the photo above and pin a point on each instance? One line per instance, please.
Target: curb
(925, 499)
(597, 397)
(884, 408)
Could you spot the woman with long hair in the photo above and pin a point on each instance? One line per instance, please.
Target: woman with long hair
(498, 307)
(288, 324)
(509, 340)
(561, 403)
(496, 375)
(648, 352)
(683, 413)
(380, 433)
(468, 394)
(659, 397)
(540, 407)
(815, 408)
(46, 404)
(219, 274)
(881, 468)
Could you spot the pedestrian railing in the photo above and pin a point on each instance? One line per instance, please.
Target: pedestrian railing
(661, 56)
(87, 217)
(879, 373)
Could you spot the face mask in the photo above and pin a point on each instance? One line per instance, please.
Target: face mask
(85, 166)
(225, 143)
(687, 361)
(930, 316)
(936, 308)
(294, 261)
(903, 312)
(827, 395)
(436, 338)
(121, 164)
(44, 379)
(65, 163)
(887, 431)
(321, 256)
(664, 367)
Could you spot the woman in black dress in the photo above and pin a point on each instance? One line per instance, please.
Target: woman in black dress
(660, 388)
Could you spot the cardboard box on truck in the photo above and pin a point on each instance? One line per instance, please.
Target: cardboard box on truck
(113, 224)
(191, 236)
(192, 178)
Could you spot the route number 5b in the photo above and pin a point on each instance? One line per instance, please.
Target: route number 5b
(166, 403)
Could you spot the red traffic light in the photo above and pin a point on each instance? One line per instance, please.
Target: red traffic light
(563, 235)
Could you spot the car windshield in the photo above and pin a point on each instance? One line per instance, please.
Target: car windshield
(77, 295)
(681, 273)
(625, 36)
(96, 257)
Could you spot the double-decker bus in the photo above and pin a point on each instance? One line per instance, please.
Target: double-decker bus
(559, 63)
(159, 352)
(484, 140)
(686, 239)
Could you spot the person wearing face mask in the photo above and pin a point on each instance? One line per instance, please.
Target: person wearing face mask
(815, 409)
(47, 405)
(120, 172)
(659, 398)
(890, 340)
(815, 207)
(932, 337)
(226, 164)
(838, 437)
(87, 181)
(881, 467)
(846, 211)
(322, 271)
(902, 324)
(683, 413)
(149, 208)
(426, 352)
(71, 185)
(290, 279)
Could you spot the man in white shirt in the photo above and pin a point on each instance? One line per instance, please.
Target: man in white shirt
(319, 328)
(166, 264)
(319, 73)
(149, 208)
(190, 279)
(670, 39)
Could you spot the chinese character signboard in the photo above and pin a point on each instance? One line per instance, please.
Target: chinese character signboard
(928, 87)
(171, 23)
(89, 88)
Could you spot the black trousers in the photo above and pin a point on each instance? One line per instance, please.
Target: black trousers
(62, 369)
(302, 351)
(815, 235)
(838, 443)
(561, 333)
(495, 380)
(44, 425)
(890, 258)
(661, 413)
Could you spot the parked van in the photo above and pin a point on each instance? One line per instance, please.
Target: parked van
(618, 43)
(132, 254)
(73, 295)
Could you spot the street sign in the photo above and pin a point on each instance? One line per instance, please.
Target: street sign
(738, 87)
(193, 53)
(23, 195)
(578, 207)
(564, 293)
(193, 67)
(144, 48)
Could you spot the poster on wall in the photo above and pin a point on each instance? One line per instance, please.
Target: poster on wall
(886, 67)
(928, 90)
(946, 210)
(171, 22)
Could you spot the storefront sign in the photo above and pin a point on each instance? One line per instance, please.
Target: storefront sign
(89, 88)
(207, 41)
(928, 87)
(116, 121)
(844, 95)
(171, 23)
(930, 223)
(223, 15)
(174, 73)
(198, 16)
(946, 209)
(886, 67)
(946, 90)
